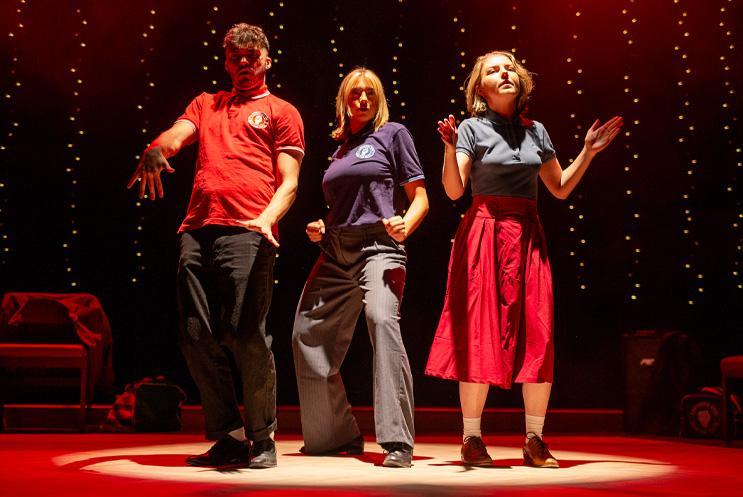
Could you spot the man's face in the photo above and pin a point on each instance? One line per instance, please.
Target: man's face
(247, 66)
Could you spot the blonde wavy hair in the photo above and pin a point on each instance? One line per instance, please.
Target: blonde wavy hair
(476, 105)
(342, 110)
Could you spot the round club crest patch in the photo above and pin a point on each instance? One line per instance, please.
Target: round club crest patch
(258, 120)
(365, 152)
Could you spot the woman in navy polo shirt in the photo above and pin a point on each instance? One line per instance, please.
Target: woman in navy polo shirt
(362, 268)
(496, 325)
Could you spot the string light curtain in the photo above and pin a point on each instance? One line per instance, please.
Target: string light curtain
(631, 160)
(685, 129)
(275, 29)
(730, 133)
(73, 155)
(144, 111)
(515, 35)
(337, 41)
(459, 72)
(11, 127)
(397, 101)
(574, 84)
(212, 67)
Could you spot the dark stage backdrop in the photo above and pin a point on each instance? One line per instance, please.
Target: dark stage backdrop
(650, 239)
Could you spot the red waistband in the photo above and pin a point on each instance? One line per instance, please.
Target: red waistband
(498, 206)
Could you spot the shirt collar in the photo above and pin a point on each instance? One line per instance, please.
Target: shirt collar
(363, 132)
(518, 119)
(498, 119)
(259, 93)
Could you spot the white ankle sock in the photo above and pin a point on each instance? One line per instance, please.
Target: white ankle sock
(534, 426)
(238, 434)
(471, 427)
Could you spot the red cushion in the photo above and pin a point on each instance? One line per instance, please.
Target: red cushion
(732, 367)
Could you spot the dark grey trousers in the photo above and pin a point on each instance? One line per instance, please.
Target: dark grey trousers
(361, 268)
(225, 281)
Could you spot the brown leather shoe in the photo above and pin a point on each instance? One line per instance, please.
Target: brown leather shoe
(537, 454)
(474, 452)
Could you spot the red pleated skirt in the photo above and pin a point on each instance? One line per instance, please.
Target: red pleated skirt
(497, 323)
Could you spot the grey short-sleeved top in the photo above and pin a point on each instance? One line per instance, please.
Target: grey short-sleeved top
(506, 155)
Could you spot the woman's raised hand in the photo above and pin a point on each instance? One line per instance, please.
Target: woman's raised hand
(599, 137)
(448, 131)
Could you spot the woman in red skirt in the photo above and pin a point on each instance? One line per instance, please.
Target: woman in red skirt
(496, 325)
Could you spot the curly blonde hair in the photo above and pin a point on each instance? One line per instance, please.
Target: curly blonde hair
(476, 105)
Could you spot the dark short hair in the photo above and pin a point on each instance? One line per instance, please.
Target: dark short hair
(244, 35)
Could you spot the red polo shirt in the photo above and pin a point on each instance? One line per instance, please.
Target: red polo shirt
(239, 140)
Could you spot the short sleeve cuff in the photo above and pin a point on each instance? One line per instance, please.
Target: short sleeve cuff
(465, 151)
(414, 178)
(293, 149)
(188, 121)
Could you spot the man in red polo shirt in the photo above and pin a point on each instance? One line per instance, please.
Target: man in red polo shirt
(251, 144)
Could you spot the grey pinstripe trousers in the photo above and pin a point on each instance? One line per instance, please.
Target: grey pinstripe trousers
(361, 268)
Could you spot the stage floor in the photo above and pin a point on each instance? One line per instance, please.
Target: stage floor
(143, 465)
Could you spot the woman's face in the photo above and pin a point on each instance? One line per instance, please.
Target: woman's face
(363, 102)
(499, 79)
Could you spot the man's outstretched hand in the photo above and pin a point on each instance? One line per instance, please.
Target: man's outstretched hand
(148, 173)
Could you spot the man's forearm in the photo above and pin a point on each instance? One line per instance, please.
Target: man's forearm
(282, 199)
(171, 141)
(169, 146)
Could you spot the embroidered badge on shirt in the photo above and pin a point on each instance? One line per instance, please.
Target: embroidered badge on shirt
(365, 152)
(258, 120)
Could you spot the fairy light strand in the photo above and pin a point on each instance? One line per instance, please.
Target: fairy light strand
(396, 98)
(73, 154)
(574, 84)
(457, 77)
(335, 43)
(144, 111)
(11, 127)
(276, 28)
(515, 33)
(733, 151)
(685, 129)
(212, 44)
(628, 26)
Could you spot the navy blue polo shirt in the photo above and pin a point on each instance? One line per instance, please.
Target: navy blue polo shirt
(362, 183)
(506, 155)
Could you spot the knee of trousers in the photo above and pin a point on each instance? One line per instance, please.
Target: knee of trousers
(312, 362)
(188, 268)
(384, 320)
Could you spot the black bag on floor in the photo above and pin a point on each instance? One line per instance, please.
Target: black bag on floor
(677, 373)
(151, 404)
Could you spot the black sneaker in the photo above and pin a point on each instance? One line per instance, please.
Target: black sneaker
(225, 452)
(399, 455)
(263, 454)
